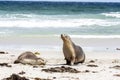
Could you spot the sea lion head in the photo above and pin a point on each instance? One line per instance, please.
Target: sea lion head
(41, 61)
(65, 38)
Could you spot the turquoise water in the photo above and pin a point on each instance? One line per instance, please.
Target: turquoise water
(53, 18)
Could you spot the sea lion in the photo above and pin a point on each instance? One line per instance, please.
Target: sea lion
(30, 58)
(73, 54)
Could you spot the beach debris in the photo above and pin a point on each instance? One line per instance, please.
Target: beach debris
(92, 65)
(41, 79)
(116, 67)
(35, 66)
(117, 48)
(37, 53)
(21, 73)
(54, 77)
(86, 71)
(118, 75)
(94, 71)
(61, 69)
(91, 61)
(5, 64)
(3, 52)
(15, 77)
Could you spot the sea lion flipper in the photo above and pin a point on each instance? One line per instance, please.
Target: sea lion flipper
(16, 61)
(72, 61)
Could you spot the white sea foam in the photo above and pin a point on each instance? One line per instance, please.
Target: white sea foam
(112, 14)
(35, 20)
(17, 16)
(93, 36)
(56, 23)
(2, 32)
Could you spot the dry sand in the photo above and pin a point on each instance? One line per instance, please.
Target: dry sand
(98, 66)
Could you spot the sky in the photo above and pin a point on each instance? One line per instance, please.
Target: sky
(70, 0)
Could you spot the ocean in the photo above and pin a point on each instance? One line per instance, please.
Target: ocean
(47, 19)
(53, 18)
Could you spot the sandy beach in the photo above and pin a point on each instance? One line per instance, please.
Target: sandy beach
(37, 25)
(102, 64)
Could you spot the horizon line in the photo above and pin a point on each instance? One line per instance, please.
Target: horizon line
(60, 1)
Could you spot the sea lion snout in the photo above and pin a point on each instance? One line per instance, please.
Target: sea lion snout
(64, 37)
(41, 61)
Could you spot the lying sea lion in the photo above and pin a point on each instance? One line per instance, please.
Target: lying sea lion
(73, 53)
(30, 58)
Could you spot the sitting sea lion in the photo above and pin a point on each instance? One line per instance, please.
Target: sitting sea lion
(30, 58)
(73, 54)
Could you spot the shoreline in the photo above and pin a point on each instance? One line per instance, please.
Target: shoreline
(55, 43)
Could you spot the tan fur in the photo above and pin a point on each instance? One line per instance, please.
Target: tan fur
(30, 58)
(73, 53)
